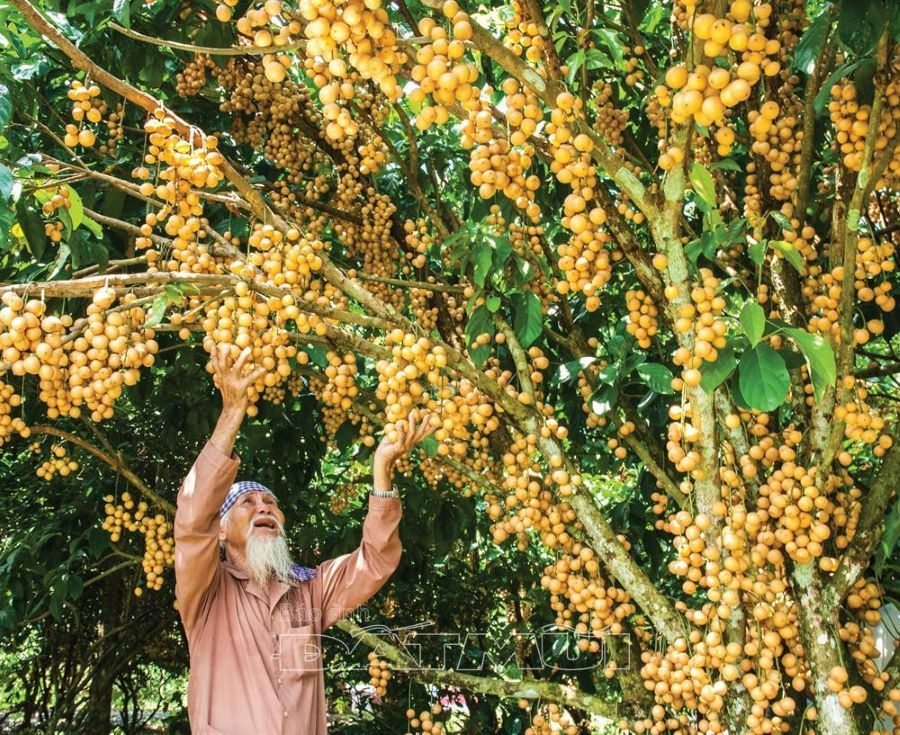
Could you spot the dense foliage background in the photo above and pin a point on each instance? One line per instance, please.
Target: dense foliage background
(638, 256)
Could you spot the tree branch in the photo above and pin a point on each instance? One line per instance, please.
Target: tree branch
(570, 696)
(869, 529)
(117, 463)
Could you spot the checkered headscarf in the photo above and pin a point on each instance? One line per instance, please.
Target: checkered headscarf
(241, 488)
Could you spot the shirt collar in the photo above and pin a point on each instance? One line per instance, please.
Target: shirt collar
(238, 573)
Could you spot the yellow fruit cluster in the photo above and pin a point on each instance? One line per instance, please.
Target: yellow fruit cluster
(642, 313)
(86, 105)
(440, 72)
(424, 722)
(379, 674)
(9, 424)
(495, 166)
(60, 463)
(862, 421)
(700, 318)
(584, 260)
(707, 92)
(771, 509)
(180, 168)
(348, 42)
(778, 141)
(851, 124)
(552, 720)
(192, 78)
(87, 368)
(403, 381)
(280, 259)
(523, 35)
(610, 121)
(245, 320)
(159, 545)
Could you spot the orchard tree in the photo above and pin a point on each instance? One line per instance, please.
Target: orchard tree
(638, 258)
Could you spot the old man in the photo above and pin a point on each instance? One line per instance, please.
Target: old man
(253, 617)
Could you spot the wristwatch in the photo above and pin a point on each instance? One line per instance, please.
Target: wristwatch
(392, 493)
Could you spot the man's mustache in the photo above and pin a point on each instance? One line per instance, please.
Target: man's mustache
(265, 520)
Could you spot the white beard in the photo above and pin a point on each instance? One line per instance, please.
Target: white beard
(267, 558)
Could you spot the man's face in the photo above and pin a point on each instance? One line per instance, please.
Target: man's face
(254, 515)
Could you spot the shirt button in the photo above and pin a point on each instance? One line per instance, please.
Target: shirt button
(285, 713)
(279, 680)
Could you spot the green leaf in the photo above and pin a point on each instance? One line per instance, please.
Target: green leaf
(480, 354)
(609, 374)
(5, 107)
(613, 43)
(484, 256)
(603, 399)
(93, 226)
(763, 378)
(345, 435)
(790, 253)
(76, 587)
(76, 210)
(62, 257)
(122, 12)
(860, 24)
(528, 321)
(596, 59)
(7, 181)
(819, 358)
(889, 538)
(757, 251)
(502, 249)
(783, 222)
(317, 355)
(727, 164)
(703, 184)
(793, 360)
(479, 322)
(811, 43)
(7, 217)
(753, 321)
(657, 376)
(638, 9)
(157, 310)
(32, 226)
(570, 370)
(842, 71)
(716, 372)
(175, 293)
(429, 445)
(574, 62)
(493, 303)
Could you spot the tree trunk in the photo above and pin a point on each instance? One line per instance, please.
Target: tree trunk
(818, 627)
(106, 666)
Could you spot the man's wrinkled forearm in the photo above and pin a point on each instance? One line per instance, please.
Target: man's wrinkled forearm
(227, 427)
(382, 473)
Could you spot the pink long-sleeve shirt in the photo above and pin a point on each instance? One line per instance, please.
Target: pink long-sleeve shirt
(256, 662)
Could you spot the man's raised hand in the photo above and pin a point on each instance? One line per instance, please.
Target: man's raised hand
(230, 377)
(420, 425)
